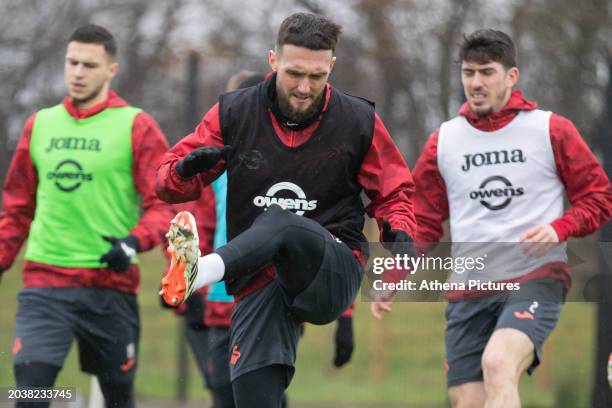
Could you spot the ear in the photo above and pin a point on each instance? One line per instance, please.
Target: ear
(272, 60)
(113, 69)
(513, 76)
(331, 66)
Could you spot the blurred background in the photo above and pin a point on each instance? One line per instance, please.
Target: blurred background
(175, 58)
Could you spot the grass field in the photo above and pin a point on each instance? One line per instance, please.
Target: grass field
(397, 362)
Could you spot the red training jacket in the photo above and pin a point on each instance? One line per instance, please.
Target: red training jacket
(586, 184)
(384, 175)
(19, 198)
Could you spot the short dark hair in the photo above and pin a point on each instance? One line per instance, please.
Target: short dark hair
(95, 34)
(487, 45)
(311, 31)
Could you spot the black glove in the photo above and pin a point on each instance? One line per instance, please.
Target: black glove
(396, 241)
(344, 341)
(202, 159)
(119, 258)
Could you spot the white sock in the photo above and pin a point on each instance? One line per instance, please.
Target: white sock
(210, 270)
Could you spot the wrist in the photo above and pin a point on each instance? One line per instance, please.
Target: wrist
(132, 242)
(561, 228)
(180, 169)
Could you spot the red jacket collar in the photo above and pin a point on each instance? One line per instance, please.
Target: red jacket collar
(498, 120)
(113, 101)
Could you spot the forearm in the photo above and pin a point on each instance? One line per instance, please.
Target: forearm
(586, 184)
(173, 187)
(387, 181)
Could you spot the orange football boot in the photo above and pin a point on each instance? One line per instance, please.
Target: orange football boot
(183, 248)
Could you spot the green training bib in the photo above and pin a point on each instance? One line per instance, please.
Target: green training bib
(85, 185)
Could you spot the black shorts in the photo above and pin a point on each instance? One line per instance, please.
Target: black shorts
(533, 310)
(104, 322)
(266, 324)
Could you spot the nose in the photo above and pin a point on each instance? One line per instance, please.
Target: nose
(477, 80)
(304, 87)
(79, 70)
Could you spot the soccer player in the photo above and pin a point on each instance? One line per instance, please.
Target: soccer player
(499, 172)
(208, 312)
(298, 154)
(81, 175)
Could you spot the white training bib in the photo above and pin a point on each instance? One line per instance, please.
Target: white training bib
(500, 184)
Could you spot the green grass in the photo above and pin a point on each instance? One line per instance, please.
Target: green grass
(397, 362)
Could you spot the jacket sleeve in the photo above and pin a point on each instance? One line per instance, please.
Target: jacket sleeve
(430, 201)
(148, 147)
(173, 188)
(18, 198)
(430, 204)
(387, 181)
(586, 185)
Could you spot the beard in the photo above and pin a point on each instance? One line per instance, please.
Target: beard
(83, 100)
(483, 111)
(499, 101)
(295, 115)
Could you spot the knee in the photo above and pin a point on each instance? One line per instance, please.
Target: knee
(35, 374)
(275, 210)
(465, 398)
(279, 221)
(275, 216)
(498, 368)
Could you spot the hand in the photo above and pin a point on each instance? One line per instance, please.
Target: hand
(202, 159)
(119, 258)
(396, 241)
(377, 307)
(344, 341)
(539, 240)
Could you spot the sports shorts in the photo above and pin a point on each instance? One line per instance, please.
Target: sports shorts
(533, 310)
(104, 322)
(266, 324)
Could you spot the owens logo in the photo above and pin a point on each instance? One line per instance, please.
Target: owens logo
(69, 176)
(299, 203)
(498, 187)
(494, 157)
